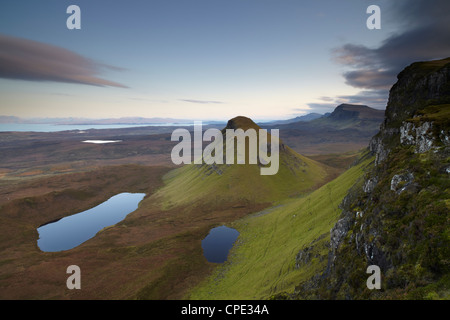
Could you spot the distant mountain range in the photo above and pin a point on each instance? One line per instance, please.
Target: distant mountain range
(352, 116)
(342, 113)
(343, 116)
(348, 127)
(306, 117)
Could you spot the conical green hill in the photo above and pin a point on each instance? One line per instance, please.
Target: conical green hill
(230, 185)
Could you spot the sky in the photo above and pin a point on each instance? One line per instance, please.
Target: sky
(209, 59)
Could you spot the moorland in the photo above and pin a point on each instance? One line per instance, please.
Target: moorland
(155, 252)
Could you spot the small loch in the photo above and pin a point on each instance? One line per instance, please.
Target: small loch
(69, 232)
(218, 243)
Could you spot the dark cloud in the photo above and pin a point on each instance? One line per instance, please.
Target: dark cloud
(420, 12)
(23, 59)
(201, 101)
(370, 78)
(426, 36)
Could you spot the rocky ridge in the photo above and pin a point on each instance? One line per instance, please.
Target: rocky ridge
(396, 217)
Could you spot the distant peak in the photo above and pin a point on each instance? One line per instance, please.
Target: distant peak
(349, 111)
(347, 106)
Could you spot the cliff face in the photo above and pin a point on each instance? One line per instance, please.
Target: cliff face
(397, 216)
(420, 85)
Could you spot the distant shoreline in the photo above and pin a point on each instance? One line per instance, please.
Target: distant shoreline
(41, 127)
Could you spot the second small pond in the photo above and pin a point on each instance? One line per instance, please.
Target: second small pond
(218, 243)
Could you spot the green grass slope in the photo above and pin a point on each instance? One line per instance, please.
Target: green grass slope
(222, 185)
(263, 261)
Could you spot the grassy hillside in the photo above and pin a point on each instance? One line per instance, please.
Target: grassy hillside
(223, 185)
(263, 261)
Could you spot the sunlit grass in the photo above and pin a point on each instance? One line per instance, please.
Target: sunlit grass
(241, 183)
(262, 263)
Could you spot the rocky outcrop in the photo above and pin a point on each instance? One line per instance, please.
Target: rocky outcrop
(400, 182)
(418, 86)
(339, 230)
(419, 136)
(369, 184)
(397, 217)
(422, 136)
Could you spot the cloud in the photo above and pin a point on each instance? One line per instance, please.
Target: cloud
(201, 101)
(324, 107)
(314, 108)
(425, 37)
(23, 59)
(370, 78)
(325, 98)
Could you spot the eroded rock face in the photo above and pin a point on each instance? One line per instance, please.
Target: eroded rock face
(420, 136)
(400, 182)
(303, 257)
(416, 88)
(377, 147)
(370, 184)
(370, 230)
(339, 231)
(416, 85)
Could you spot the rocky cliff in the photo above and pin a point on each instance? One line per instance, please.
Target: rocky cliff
(397, 216)
(419, 86)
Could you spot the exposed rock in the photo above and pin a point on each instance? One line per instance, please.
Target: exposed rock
(339, 231)
(445, 169)
(445, 137)
(380, 144)
(370, 184)
(375, 256)
(400, 182)
(374, 218)
(420, 136)
(416, 85)
(303, 257)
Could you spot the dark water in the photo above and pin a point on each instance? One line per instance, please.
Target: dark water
(73, 230)
(218, 243)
